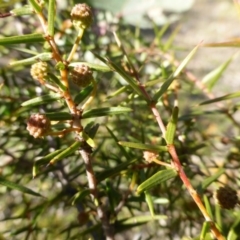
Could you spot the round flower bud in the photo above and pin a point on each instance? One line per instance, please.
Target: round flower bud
(38, 125)
(39, 71)
(82, 16)
(82, 75)
(226, 197)
(149, 156)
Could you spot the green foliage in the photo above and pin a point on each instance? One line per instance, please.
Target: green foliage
(119, 147)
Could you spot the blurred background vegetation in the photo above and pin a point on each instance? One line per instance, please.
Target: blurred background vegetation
(156, 36)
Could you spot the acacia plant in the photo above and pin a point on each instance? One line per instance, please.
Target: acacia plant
(104, 133)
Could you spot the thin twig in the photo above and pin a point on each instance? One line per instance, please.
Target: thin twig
(92, 183)
(76, 124)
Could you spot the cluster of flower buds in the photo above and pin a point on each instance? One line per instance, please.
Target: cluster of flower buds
(226, 197)
(39, 71)
(82, 16)
(82, 75)
(38, 125)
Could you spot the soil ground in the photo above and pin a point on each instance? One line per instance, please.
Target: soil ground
(212, 21)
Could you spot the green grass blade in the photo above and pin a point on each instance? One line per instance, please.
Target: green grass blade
(51, 16)
(142, 146)
(157, 178)
(27, 38)
(99, 112)
(18, 187)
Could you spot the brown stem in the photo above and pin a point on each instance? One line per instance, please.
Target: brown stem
(76, 124)
(3, 15)
(158, 118)
(192, 191)
(178, 167)
(92, 183)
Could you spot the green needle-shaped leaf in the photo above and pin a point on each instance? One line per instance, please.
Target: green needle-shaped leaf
(171, 127)
(157, 178)
(79, 196)
(28, 61)
(18, 187)
(27, 38)
(99, 112)
(114, 171)
(91, 129)
(83, 94)
(232, 43)
(119, 91)
(41, 100)
(208, 206)
(25, 10)
(96, 67)
(129, 223)
(59, 116)
(36, 6)
(75, 146)
(205, 230)
(56, 80)
(144, 146)
(168, 82)
(223, 98)
(185, 62)
(133, 83)
(51, 16)
(88, 139)
(233, 234)
(44, 160)
(121, 148)
(211, 78)
(149, 201)
(212, 178)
